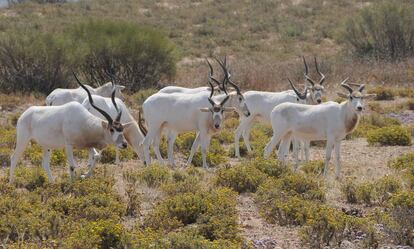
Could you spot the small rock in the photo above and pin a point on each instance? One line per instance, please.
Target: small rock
(345, 244)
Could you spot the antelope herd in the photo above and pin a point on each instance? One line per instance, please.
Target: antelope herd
(92, 118)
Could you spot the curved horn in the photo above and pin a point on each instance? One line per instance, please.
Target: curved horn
(307, 71)
(211, 102)
(224, 100)
(346, 86)
(141, 126)
(210, 77)
(361, 87)
(235, 86)
(113, 99)
(118, 117)
(106, 115)
(300, 95)
(321, 74)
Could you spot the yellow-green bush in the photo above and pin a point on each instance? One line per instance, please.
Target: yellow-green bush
(372, 122)
(108, 154)
(241, 178)
(224, 137)
(8, 137)
(5, 154)
(270, 167)
(313, 168)
(153, 176)
(370, 193)
(183, 184)
(382, 93)
(401, 210)
(231, 123)
(327, 226)
(215, 156)
(404, 162)
(410, 104)
(97, 234)
(185, 141)
(389, 136)
(29, 177)
(214, 214)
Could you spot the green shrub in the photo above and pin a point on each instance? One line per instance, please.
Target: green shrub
(389, 136)
(108, 155)
(29, 178)
(185, 141)
(270, 167)
(215, 156)
(231, 123)
(224, 137)
(404, 162)
(370, 193)
(402, 212)
(97, 234)
(213, 212)
(327, 226)
(383, 93)
(5, 154)
(33, 61)
(138, 55)
(241, 178)
(410, 104)
(7, 138)
(313, 168)
(382, 30)
(188, 184)
(291, 210)
(153, 176)
(242, 149)
(405, 92)
(372, 122)
(140, 96)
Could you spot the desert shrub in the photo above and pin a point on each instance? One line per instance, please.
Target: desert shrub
(140, 96)
(382, 30)
(242, 149)
(410, 104)
(383, 93)
(405, 92)
(224, 137)
(389, 136)
(313, 168)
(7, 138)
(185, 141)
(404, 162)
(154, 175)
(186, 184)
(138, 55)
(231, 123)
(29, 178)
(213, 212)
(402, 212)
(97, 234)
(327, 226)
(240, 178)
(369, 193)
(133, 197)
(372, 122)
(215, 156)
(270, 167)
(33, 61)
(289, 199)
(34, 154)
(5, 154)
(108, 154)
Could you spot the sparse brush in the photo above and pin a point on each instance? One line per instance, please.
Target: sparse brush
(389, 136)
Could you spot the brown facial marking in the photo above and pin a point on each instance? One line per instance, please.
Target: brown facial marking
(317, 87)
(357, 94)
(216, 109)
(351, 123)
(118, 126)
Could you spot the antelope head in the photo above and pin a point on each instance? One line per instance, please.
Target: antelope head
(217, 111)
(355, 97)
(316, 89)
(113, 128)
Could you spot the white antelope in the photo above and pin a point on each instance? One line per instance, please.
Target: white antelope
(178, 112)
(262, 103)
(62, 96)
(329, 121)
(67, 126)
(133, 133)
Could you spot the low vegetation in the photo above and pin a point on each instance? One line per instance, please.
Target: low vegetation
(389, 136)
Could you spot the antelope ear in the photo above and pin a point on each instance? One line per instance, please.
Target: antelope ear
(229, 109)
(369, 96)
(120, 87)
(104, 124)
(205, 109)
(342, 95)
(127, 125)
